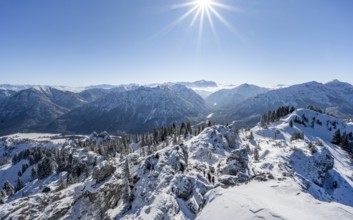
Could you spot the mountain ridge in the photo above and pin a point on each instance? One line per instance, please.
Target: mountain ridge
(219, 172)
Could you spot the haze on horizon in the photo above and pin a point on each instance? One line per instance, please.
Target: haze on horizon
(86, 42)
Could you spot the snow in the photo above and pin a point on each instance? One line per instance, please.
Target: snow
(269, 200)
(214, 175)
(35, 136)
(210, 115)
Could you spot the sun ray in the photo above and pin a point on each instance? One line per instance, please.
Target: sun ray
(210, 21)
(201, 25)
(195, 17)
(224, 21)
(203, 12)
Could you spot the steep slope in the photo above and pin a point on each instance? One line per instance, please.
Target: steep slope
(34, 108)
(230, 97)
(136, 110)
(268, 173)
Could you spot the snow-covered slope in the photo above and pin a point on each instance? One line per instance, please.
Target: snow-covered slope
(269, 200)
(33, 108)
(310, 178)
(230, 97)
(5, 94)
(335, 97)
(336, 94)
(287, 170)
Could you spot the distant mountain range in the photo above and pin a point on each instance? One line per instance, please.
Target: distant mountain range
(334, 97)
(134, 108)
(227, 98)
(134, 111)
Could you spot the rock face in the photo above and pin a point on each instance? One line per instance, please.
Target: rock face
(101, 173)
(236, 163)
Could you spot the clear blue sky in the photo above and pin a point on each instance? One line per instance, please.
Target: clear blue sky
(85, 42)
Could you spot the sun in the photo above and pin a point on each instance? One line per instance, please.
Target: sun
(204, 3)
(204, 12)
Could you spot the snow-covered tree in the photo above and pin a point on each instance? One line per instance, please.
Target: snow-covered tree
(45, 168)
(127, 192)
(8, 188)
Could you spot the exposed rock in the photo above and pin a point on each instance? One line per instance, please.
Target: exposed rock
(100, 173)
(229, 180)
(236, 163)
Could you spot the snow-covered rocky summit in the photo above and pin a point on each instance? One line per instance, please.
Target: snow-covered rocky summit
(287, 169)
(306, 176)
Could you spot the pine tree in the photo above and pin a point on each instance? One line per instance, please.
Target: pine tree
(9, 188)
(2, 196)
(209, 124)
(188, 128)
(33, 173)
(256, 154)
(344, 142)
(127, 191)
(95, 162)
(19, 184)
(45, 168)
(251, 136)
(336, 139)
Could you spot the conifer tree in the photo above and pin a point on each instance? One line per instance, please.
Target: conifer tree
(8, 188)
(127, 191)
(336, 139)
(19, 184)
(33, 173)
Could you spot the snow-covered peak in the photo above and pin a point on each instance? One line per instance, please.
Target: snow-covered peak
(230, 97)
(43, 89)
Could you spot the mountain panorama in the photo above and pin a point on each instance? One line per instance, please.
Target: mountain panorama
(136, 109)
(187, 150)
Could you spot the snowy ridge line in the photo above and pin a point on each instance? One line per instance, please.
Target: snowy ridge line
(184, 173)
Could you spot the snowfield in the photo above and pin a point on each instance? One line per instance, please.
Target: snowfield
(269, 200)
(288, 169)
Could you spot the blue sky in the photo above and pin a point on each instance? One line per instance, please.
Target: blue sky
(85, 42)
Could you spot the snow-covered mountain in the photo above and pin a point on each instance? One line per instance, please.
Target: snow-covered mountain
(230, 97)
(14, 87)
(243, 104)
(335, 97)
(199, 84)
(136, 110)
(6, 93)
(288, 169)
(33, 108)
